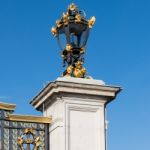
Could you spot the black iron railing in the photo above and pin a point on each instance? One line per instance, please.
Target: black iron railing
(22, 135)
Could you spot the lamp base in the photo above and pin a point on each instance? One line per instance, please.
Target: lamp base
(75, 70)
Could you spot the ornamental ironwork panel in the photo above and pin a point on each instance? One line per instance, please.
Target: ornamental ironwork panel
(21, 135)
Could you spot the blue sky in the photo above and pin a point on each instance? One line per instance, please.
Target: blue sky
(118, 52)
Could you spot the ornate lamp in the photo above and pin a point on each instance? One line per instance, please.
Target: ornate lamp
(72, 32)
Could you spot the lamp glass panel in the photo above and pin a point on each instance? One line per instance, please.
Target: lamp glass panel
(83, 38)
(62, 41)
(73, 40)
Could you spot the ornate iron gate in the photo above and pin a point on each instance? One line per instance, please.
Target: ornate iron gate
(23, 132)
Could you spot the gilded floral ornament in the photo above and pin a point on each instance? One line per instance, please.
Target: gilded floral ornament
(54, 31)
(91, 22)
(20, 141)
(79, 71)
(58, 23)
(69, 70)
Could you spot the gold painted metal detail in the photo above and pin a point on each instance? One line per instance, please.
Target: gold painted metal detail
(72, 7)
(82, 50)
(78, 18)
(58, 23)
(78, 70)
(69, 70)
(91, 22)
(25, 118)
(28, 138)
(6, 106)
(54, 31)
(65, 18)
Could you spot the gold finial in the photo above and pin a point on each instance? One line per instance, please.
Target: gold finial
(72, 7)
(91, 22)
(54, 31)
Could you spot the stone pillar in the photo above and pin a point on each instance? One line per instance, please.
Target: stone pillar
(77, 107)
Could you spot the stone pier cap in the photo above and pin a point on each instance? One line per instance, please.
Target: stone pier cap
(65, 86)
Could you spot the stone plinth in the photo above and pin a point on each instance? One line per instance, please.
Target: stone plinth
(77, 107)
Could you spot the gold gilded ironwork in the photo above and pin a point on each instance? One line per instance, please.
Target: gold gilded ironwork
(54, 31)
(78, 18)
(91, 22)
(65, 19)
(72, 7)
(69, 70)
(28, 138)
(58, 23)
(79, 71)
(20, 141)
(82, 50)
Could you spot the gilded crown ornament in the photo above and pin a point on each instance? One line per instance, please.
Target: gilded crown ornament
(72, 32)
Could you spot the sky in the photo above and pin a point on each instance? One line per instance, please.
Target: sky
(118, 52)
